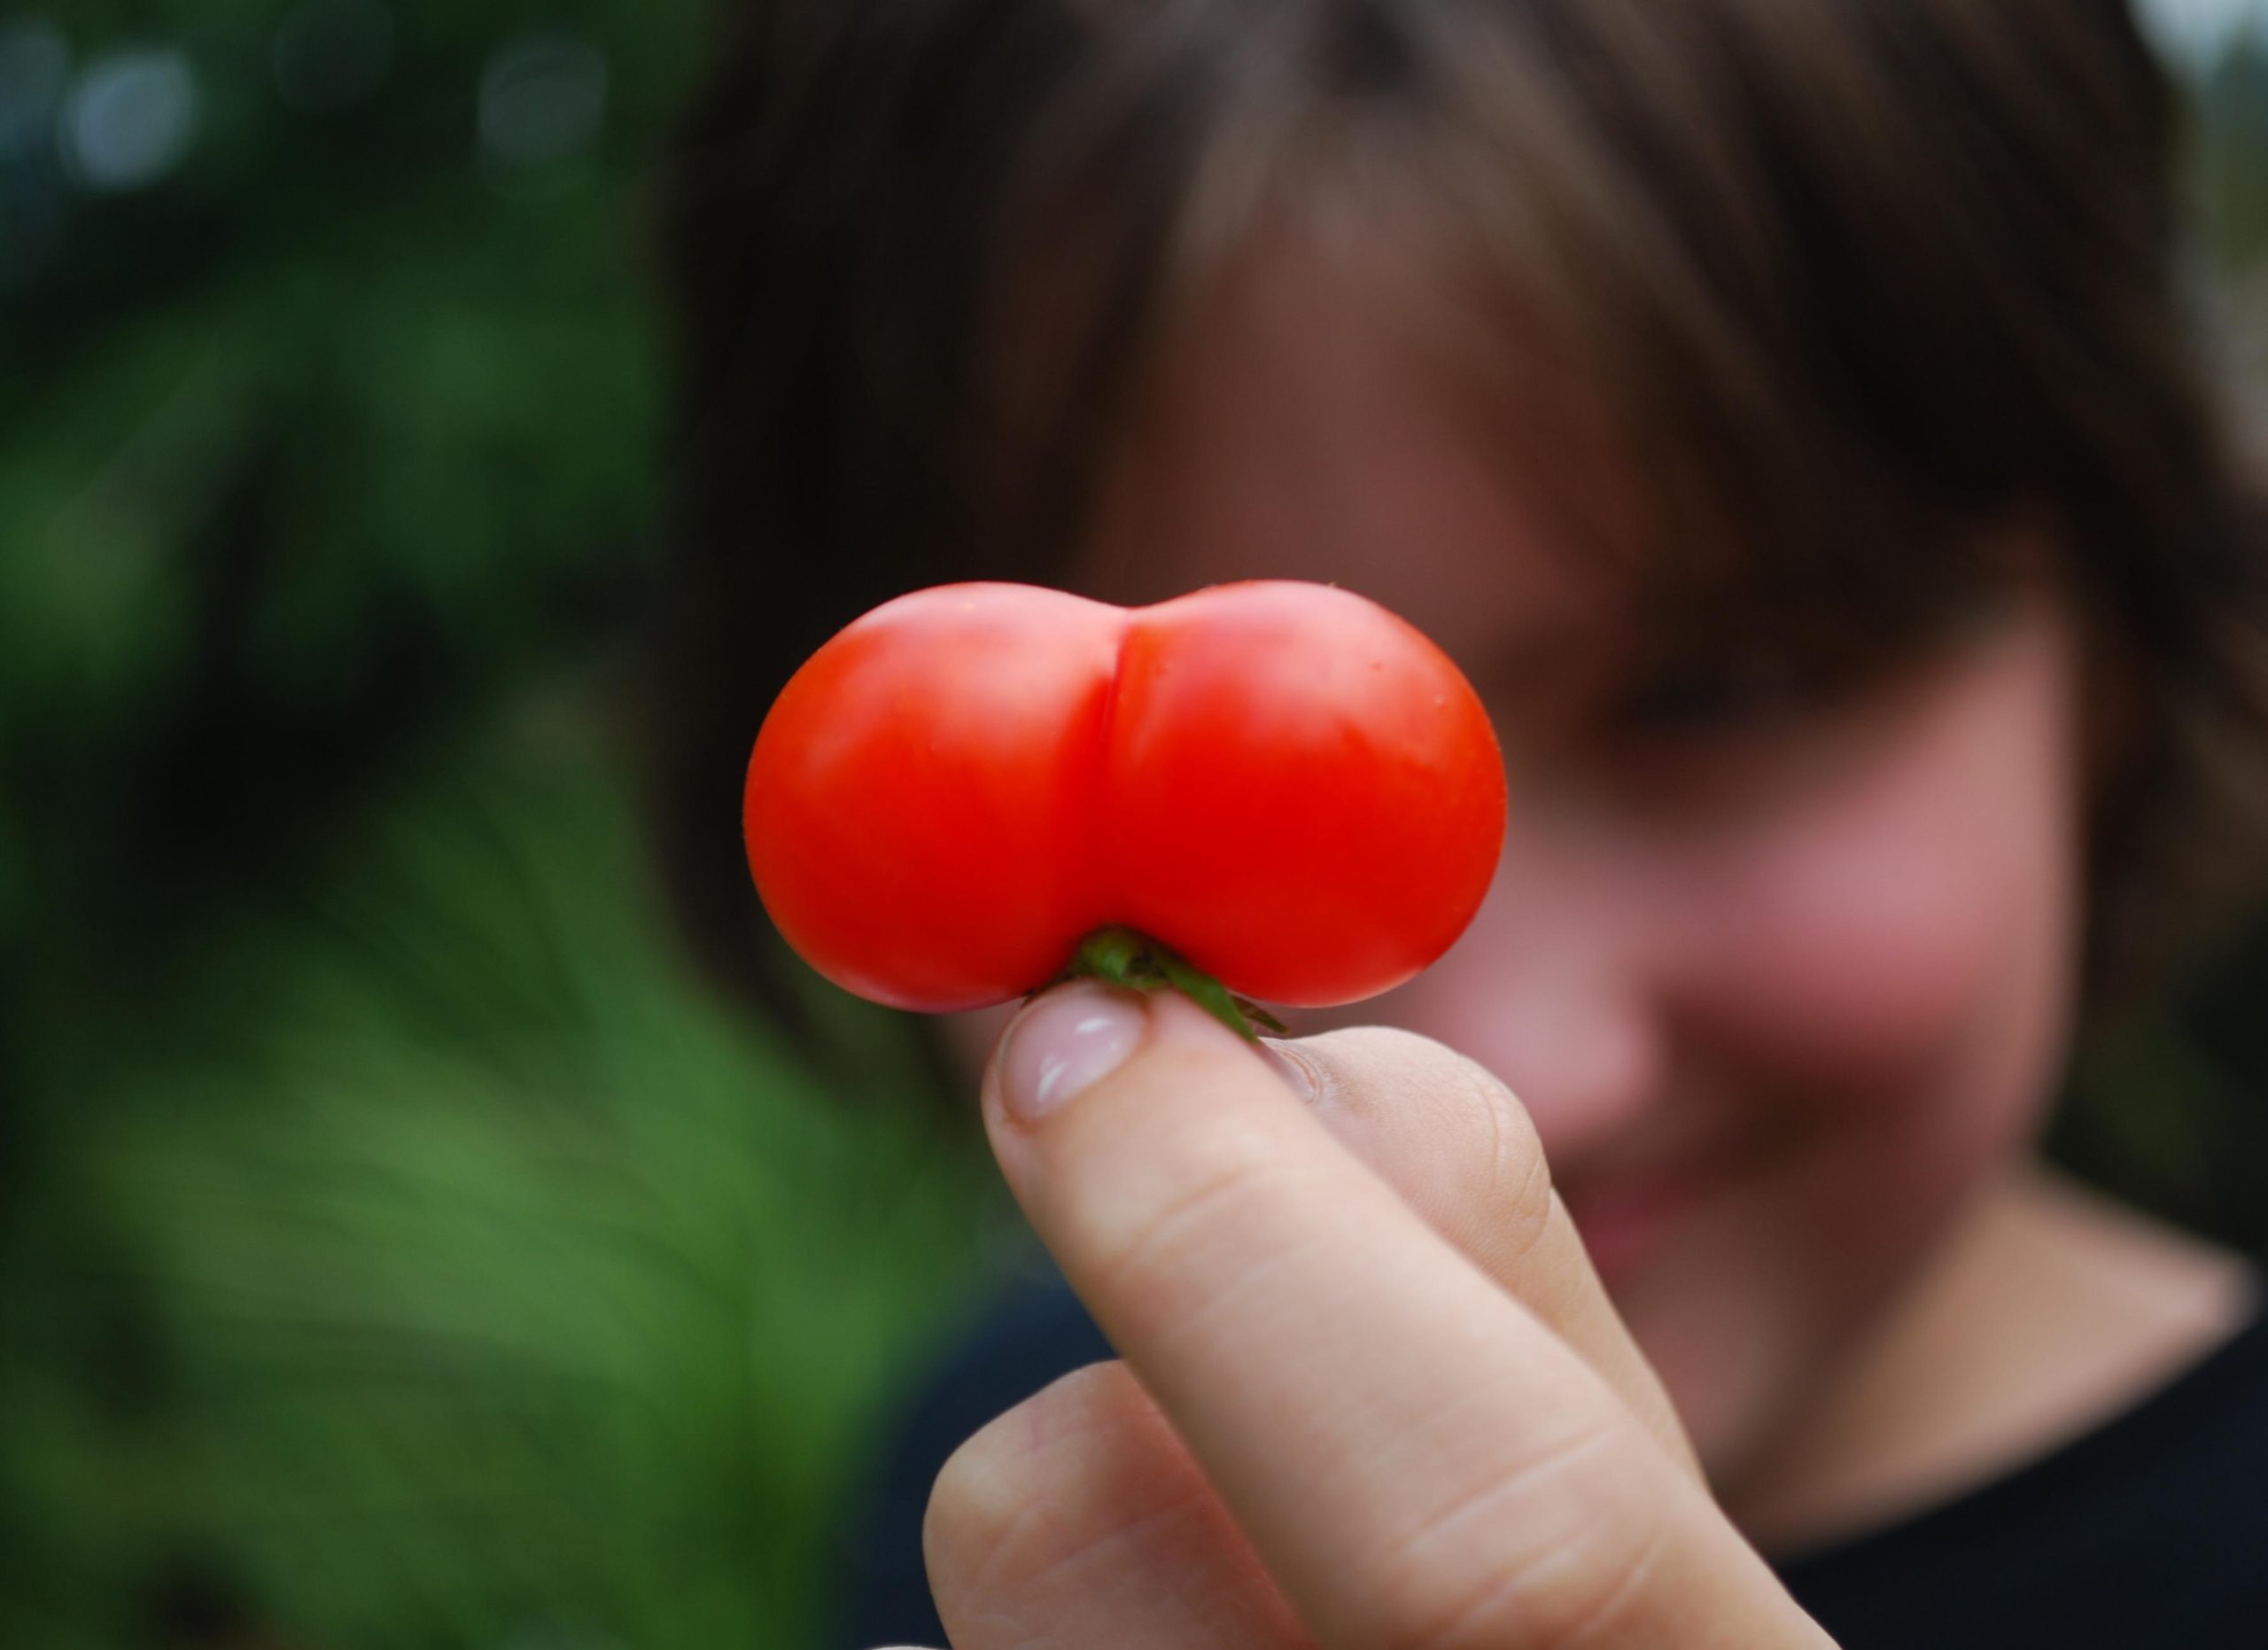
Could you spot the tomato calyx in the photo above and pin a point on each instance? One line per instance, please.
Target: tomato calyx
(1128, 958)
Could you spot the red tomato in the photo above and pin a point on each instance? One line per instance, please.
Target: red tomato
(1282, 782)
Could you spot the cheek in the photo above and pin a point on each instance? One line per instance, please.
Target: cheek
(1864, 946)
(1914, 932)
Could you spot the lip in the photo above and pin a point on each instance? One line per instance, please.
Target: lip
(1626, 1222)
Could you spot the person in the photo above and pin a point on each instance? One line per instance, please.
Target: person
(1797, 421)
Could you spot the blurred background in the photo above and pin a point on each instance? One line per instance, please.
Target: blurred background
(399, 1243)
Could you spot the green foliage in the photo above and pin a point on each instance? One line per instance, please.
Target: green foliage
(326, 434)
(441, 1263)
(400, 1246)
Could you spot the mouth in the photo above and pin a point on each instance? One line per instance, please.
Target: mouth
(1627, 1221)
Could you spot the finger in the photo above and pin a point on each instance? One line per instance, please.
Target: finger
(1461, 1151)
(1415, 1456)
(1078, 1520)
(1132, 1554)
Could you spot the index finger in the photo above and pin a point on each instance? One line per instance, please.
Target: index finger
(1417, 1458)
(1460, 1150)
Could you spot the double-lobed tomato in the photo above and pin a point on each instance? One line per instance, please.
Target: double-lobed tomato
(1284, 782)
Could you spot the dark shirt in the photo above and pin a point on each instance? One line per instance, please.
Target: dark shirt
(2151, 1530)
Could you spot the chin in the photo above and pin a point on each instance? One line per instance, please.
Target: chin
(1751, 1316)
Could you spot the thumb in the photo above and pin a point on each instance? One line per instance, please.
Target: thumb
(1415, 1455)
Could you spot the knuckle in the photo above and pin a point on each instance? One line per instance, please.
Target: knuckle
(1513, 1177)
(977, 1507)
(1583, 1591)
(1450, 1136)
(1188, 1255)
(989, 1504)
(1051, 1514)
(1555, 1554)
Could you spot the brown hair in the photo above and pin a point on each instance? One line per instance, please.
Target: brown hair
(1859, 278)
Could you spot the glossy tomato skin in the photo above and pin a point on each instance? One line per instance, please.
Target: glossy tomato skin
(920, 803)
(1282, 782)
(1305, 796)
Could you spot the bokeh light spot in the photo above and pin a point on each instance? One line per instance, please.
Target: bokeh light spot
(129, 119)
(543, 101)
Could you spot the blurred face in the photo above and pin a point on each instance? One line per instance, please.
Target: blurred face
(1780, 972)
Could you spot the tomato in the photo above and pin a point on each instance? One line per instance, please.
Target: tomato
(1282, 783)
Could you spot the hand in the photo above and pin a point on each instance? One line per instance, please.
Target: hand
(1373, 1393)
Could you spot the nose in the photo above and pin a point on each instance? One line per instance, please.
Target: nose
(1556, 988)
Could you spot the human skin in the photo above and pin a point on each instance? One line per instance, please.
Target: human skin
(1782, 982)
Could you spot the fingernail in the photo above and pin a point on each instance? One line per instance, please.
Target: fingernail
(1066, 1043)
(1290, 1067)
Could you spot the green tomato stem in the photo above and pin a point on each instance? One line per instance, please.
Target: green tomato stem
(1127, 958)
